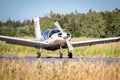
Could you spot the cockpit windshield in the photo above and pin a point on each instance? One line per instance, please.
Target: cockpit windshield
(53, 31)
(48, 33)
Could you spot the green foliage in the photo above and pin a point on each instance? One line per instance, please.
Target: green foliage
(25, 31)
(116, 23)
(91, 24)
(112, 20)
(8, 31)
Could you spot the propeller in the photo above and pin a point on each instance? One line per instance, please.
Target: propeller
(70, 47)
(59, 27)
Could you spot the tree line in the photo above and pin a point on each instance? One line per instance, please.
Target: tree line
(90, 24)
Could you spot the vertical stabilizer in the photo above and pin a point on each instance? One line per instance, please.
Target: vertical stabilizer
(37, 28)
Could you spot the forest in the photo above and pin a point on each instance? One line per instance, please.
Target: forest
(91, 24)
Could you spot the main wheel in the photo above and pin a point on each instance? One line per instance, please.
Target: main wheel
(70, 55)
(61, 55)
(38, 55)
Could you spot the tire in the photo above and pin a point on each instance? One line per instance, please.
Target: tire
(38, 55)
(70, 55)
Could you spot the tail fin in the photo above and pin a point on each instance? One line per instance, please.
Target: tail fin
(37, 28)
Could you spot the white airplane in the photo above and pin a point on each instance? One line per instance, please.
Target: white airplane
(53, 39)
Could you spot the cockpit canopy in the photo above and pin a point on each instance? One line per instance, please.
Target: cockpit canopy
(49, 32)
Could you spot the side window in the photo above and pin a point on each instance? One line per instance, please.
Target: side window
(46, 34)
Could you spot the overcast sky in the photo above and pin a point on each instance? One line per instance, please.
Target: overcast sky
(27, 9)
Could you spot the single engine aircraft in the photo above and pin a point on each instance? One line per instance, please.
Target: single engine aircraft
(53, 39)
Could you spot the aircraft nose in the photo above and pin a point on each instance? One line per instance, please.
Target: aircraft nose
(64, 35)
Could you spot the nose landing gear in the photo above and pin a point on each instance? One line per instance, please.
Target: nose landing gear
(69, 53)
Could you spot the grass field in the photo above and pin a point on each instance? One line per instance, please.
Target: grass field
(20, 70)
(14, 70)
(101, 50)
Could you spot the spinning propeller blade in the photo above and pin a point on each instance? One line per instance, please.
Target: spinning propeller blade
(59, 27)
(70, 47)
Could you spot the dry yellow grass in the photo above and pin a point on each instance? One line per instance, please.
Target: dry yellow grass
(81, 39)
(14, 70)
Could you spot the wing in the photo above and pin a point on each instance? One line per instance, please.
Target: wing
(24, 42)
(94, 42)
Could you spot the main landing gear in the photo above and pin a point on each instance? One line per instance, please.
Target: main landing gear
(61, 53)
(39, 53)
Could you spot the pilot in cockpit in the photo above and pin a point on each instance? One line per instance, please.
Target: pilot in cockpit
(53, 31)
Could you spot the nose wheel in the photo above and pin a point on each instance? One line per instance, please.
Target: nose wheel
(70, 54)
